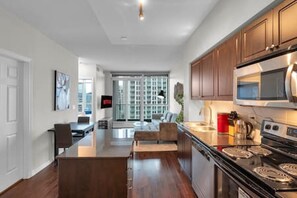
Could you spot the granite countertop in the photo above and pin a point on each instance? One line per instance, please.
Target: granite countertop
(212, 137)
(102, 144)
(286, 194)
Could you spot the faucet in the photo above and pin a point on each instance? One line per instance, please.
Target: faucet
(210, 114)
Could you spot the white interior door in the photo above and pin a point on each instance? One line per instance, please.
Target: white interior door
(11, 137)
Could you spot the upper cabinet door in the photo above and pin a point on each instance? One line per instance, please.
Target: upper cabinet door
(285, 24)
(227, 57)
(257, 38)
(195, 80)
(207, 71)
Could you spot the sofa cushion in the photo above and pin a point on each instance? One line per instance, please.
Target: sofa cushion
(164, 116)
(168, 117)
(173, 117)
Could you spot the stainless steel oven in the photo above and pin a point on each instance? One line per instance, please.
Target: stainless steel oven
(272, 83)
(228, 186)
(259, 171)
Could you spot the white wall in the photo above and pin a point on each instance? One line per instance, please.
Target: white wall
(225, 18)
(176, 75)
(100, 90)
(109, 91)
(46, 56)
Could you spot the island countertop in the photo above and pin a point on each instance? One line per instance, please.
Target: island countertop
(111, 143)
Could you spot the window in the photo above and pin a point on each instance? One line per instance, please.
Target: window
(128, 97)
(85, 96)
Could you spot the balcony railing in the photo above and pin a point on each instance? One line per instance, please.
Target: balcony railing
(133, 111)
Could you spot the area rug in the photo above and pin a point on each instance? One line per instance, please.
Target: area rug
(148, 146)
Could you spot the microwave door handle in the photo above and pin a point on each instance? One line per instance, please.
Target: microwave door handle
(291, 83)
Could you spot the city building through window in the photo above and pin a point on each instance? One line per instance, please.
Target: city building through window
(135, 97)
(85, 96)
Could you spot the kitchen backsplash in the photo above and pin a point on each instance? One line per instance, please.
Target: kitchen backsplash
(287, 116)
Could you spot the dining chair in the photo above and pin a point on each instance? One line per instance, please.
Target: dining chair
(63, 136)
(83, 119)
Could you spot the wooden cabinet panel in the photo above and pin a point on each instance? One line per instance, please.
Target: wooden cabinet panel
(93, 177)
(184, 151)
(227, 57)
(195, 80)
(180, 146)
(257, 38)
(188, 155)
(207, 75)
(285, 24)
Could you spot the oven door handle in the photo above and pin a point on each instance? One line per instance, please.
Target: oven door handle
(291, 83)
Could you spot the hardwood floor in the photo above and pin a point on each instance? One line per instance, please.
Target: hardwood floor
(158, 175)
(42, 185)
(155, 174)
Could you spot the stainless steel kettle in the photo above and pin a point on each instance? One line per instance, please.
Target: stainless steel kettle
(243, 129)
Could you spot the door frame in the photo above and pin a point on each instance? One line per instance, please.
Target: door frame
(27, 103)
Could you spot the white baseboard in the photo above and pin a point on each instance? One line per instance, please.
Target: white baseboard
(40, 168)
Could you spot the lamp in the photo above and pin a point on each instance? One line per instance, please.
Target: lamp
(161, 95)
(141, 16)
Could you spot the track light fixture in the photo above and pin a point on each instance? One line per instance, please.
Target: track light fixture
(141, 16)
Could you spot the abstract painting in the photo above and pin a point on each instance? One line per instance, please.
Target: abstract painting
(62, 91)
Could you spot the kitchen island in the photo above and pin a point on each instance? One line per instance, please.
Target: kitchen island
(99, 165)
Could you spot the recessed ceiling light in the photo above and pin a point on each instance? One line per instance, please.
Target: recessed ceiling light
(124, 38)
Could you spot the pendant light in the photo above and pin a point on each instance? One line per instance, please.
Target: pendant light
(141, 16)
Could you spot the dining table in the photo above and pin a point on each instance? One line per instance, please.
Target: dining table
(77, 129)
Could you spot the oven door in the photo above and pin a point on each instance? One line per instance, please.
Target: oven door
(268, 83)
(229, 187)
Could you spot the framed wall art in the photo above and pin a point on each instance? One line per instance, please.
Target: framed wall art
(62, 91)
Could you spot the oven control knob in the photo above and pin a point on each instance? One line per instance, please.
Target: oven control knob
(268, 127)
(275, 127)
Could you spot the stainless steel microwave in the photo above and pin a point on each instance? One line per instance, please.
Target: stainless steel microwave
(271, 83)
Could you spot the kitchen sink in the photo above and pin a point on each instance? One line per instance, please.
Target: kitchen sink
(200, 124)
(207, 128)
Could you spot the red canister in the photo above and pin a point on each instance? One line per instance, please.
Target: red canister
(223, 126)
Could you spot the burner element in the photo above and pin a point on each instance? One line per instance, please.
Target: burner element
(237, 152)
(289, 168)
(273, 174)
(258, 150)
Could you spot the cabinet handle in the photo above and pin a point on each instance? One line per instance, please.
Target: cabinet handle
(130, 179)
(272, 47)
(267, 48)
(130, 188)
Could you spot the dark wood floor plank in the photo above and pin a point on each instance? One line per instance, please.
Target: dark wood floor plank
(158, 174)
(44, 184)
(155, 175)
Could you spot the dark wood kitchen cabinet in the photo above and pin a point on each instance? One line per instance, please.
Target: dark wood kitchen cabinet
(195, 80)
(202, 77)
(285, 24)
(275, 30)
(207, 76)
(257, 38)
(184, 151)
(228, 55)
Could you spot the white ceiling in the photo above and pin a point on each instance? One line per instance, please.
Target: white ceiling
(92, 29)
